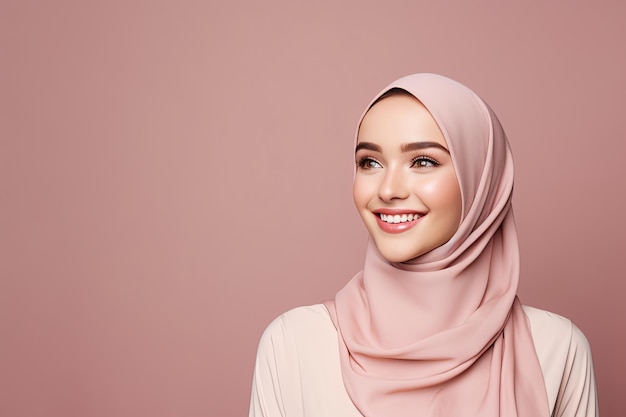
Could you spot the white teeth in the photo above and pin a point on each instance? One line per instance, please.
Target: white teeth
(398, 218)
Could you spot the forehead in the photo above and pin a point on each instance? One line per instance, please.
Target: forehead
(399, 118)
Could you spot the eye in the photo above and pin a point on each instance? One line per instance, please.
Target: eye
(368, 163)
(423, 162)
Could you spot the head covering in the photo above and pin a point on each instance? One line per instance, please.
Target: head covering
(444, 334)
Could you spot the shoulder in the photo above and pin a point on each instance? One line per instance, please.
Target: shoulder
(552, 332)
(313, 314)
(556, 337)
(566, 363)
(298, 370)
(298, 319)
(299, 327)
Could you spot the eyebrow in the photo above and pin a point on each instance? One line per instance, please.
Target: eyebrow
(405, 147)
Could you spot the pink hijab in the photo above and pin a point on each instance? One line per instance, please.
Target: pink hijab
(444, 334)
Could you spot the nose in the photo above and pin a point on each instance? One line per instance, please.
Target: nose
(394, 185)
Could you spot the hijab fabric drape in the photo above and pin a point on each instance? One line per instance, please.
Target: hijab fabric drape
(444, 334)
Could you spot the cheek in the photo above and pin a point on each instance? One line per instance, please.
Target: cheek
(361, 192)
(443, 192)
(357, 194)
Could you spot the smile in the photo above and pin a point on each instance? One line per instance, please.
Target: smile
(397, 222)
(398, 218)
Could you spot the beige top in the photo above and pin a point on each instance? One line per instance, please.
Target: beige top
(298, 374)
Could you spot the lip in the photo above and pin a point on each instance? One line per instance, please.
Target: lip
(395, 228)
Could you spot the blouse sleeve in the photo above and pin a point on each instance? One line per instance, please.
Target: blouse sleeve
(277, 386)
(266, 399)
(577, 392)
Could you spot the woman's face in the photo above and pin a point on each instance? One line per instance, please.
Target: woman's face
(405, 187)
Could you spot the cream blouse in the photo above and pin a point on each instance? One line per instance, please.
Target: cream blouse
(297, 371)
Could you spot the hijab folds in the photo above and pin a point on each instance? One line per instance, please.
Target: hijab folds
(444, 334)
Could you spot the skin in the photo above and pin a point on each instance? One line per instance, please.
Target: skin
(404, 166)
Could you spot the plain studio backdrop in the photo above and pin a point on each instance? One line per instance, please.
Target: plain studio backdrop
(175, 174)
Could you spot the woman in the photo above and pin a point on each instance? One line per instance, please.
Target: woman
(432, 326)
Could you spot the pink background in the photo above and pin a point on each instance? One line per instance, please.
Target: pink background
(173, 175)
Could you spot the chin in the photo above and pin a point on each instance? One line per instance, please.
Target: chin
(398, 255)
(397, 252)
(397, 259)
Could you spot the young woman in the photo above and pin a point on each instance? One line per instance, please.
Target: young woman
(432, 326)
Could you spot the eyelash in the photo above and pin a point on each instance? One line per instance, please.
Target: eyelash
(428, 159)
(362, 162)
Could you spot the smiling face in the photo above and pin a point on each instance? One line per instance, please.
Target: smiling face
(405, 187)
